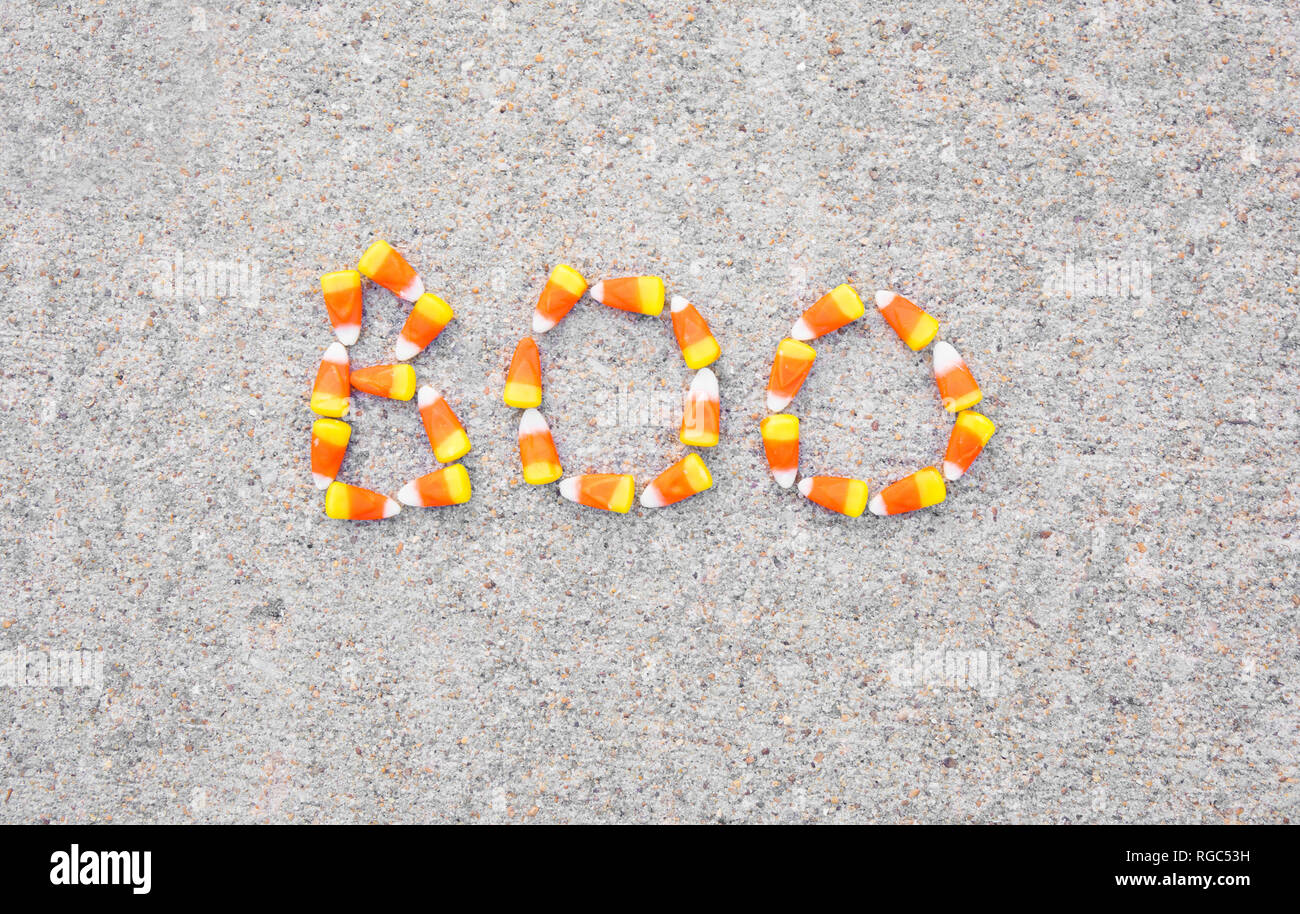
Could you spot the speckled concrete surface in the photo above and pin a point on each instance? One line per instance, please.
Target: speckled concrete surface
(1121, 561)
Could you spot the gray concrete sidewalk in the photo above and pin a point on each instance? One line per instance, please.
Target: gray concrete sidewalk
(1098, 625)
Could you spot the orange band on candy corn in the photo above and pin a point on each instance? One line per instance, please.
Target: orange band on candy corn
(832, 311)
(920, 490)
(957, 387)
(524, 376)
(781, 445)
(913, 326)
(537, 452)
(331, 393)
(789, 369)
(969, 435)
(638, 294)
(606, 491)
(694, 338)
(427, 318)
(342, 290)
(396, 382)
(446, 435)
(701, 412)
(448, 486)
(563, 288)
(385, 266)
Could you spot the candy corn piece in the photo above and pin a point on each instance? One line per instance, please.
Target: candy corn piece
(789, 369)
(446, 434)
(607, 491)
(396, 382)
(524, 376)
(920, 490)
(971, 432)
(688, 476)
(343, 302)
(833, 310)
(781, 443)
(694, 338)
(638, 294)
(330, 395)
(957, 389)
(846, 496)
(913, 326)
(345, 502)
(390, 269)
(448, 486)
(537, 450)
(329, 442)
(426, 320)
(700, 413)
(563, 288)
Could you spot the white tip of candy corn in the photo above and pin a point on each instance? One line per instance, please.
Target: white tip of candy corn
(801, 330)
(391, 507)
(705, 384)
(414, 289)
(569, 488)
(652, 497)
(405, 349)
(541, 323)
(532, 422)
(348, 333)
(426, 396)
(945, 358)
(679, 304)
(784, 478)
(876, 506)
(776, 402)
(408, 495)
(322, 481)
(883, 299)
(805, 486)
(598, 291)
(336, 354)
(951, 471)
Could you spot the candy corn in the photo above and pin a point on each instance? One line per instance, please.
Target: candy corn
(396, 382)
(390, 269)
(345, 502)
(329, 442)
(563, 288)
(343, 302)
(781, 444)
(688, 476)
(700, 413)
(607, 491)
(638, 294)
(537, 450)
(446, 434)
(448, 486)
(957, 388)
(833, 310)
(847, 496)
(694, 338)
(426, 320)
(524, 376)
(920, 490)
(913, 326)
(330, 395)
(789, 369)
(969, 435)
